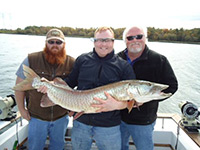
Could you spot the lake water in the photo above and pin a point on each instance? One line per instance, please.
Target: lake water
(184, 59)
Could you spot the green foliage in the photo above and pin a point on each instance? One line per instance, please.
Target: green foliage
(165, 35)
(174, 35)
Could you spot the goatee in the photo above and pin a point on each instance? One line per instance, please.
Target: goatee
(55, 57)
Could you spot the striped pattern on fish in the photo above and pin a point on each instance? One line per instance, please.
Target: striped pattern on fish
(81, 100)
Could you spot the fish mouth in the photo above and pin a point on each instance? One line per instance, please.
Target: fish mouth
(158, 88)
(164, 87)
(161, 86)
(165, 95)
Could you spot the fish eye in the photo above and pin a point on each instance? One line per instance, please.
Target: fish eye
(150, 84)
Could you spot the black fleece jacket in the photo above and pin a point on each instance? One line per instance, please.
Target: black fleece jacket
(154, 67)
(92, 71)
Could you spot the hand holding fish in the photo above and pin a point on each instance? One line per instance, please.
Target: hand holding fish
(112, 104)
(109, 105)
(43, 89)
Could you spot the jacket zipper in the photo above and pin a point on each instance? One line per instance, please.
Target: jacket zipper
(53, 75)
(99, 71)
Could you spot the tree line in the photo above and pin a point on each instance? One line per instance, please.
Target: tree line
(154, 34)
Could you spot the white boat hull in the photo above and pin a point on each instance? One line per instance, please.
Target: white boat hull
(165, 136)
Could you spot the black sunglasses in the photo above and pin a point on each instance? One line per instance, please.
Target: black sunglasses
(138, 37)
(103, 40)
(58, 42)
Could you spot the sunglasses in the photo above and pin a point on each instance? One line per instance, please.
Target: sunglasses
(57, 42)
(104, 40)
(138, 37)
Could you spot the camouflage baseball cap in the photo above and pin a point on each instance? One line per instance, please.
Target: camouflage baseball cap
(55, 34)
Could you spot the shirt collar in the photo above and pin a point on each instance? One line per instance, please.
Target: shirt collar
(128, 58)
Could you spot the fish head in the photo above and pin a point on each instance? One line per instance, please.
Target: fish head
(156, 87)
(144, 91)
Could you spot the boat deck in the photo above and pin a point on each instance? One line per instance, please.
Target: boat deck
(165, 135)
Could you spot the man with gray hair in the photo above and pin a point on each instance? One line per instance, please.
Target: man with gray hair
(151, 66)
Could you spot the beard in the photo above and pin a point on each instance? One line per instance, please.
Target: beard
(135, 50)
(55, 57)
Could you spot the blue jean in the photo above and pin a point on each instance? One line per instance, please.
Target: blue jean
(39, 130)
(106, 138)
(142, 136)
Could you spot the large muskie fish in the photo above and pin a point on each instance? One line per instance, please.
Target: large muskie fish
(80, 101)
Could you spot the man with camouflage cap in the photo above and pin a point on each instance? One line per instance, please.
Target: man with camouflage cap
(51, 121)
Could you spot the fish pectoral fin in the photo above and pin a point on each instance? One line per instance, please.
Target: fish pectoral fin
(130, 105)
(46, 102)
(78, 114)
(137, 105)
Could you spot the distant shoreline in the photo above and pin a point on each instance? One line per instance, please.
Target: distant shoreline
(163, 41)
(181, 35)
(197, 43)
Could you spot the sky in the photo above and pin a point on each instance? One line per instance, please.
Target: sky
(168, 14)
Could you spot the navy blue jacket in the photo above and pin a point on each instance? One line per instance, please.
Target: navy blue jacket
(154, 67)
(91, 71)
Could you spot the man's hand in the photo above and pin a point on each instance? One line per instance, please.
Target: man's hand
(43, 89)
(25, 114)
(110, 104)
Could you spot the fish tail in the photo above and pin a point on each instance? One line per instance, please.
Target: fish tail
(29, 73)
(26, 84)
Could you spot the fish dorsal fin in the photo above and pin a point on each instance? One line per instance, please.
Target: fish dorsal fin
(62, 84)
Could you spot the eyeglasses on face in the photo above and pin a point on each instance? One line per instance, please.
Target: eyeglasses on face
(58, 42)
(107, 40)
(138, 37)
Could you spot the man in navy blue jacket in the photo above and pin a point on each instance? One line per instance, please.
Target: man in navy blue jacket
(91, 70)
